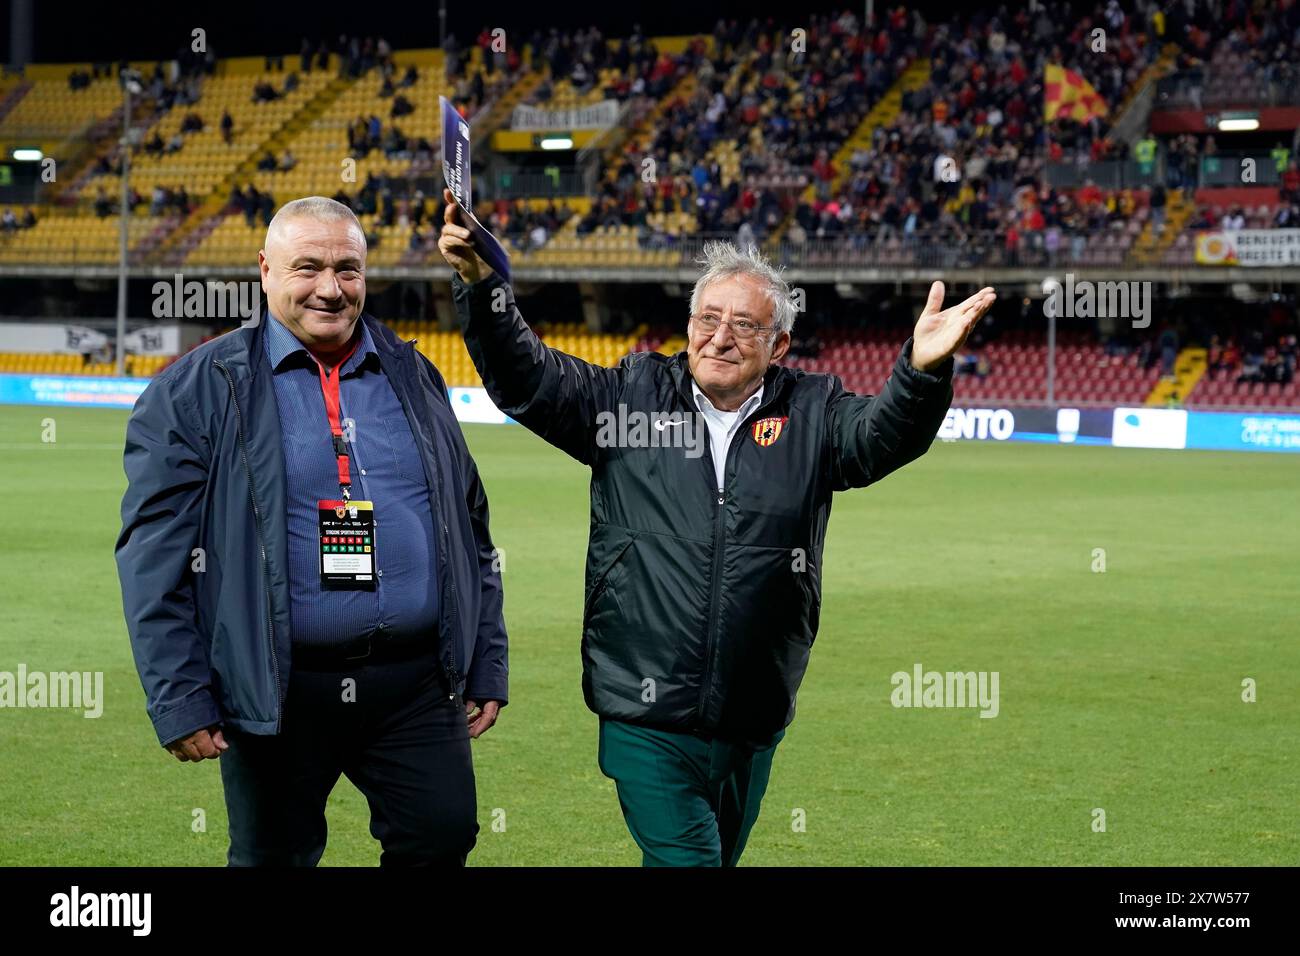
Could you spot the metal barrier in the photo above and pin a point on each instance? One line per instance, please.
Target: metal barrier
(1275, 85)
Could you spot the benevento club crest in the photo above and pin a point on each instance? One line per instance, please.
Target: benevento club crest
(768, 430)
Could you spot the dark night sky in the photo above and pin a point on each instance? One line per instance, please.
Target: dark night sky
(73, 30)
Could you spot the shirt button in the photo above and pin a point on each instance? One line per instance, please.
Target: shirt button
(363, 471)
(380, 573)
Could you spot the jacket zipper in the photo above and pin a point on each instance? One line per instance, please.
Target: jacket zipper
(446, 541)
(261, 542)
(715, 588)
(443, 557)
(719, 535)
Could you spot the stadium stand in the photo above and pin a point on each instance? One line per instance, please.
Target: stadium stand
(833, 145)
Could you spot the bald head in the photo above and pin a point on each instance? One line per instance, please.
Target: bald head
(314, 272)
(316, 208)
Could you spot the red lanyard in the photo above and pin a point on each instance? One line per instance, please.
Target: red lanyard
(329, 386)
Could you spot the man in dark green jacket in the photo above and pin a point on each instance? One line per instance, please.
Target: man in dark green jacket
(704, 565)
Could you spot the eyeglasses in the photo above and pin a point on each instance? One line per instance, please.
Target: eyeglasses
(742, 329)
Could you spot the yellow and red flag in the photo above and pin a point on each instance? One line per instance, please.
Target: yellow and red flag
(1067, 94)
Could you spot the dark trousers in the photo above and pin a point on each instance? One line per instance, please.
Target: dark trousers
(402, 741)
(687, 800)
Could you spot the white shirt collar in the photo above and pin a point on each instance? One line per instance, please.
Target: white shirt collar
(703, 403)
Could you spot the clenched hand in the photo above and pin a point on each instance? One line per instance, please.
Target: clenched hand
(206, 744)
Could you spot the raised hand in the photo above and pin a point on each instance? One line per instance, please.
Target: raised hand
(938, 333)
(455, 245)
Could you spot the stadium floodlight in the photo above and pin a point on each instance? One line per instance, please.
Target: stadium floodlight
(27, 155)
(556, 142)
(131, 81)
(1238, 122)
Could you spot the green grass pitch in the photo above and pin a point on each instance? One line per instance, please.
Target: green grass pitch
(1119, 690)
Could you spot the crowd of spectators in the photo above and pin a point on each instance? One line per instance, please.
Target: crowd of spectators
(526, 228)
(963, 163)
(162, 198)
(961, 167)
(368, 133)
(395, 201)
(176, 83)
(580, 57)
(964, 156)
(10, 222)
(270, 164)
(255, 205)
(1260, 358)
(106, 205)
(265, 91)
(964, 160)
(787, 99)
(356, 55)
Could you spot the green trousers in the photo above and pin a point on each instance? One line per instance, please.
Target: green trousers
(687, 800)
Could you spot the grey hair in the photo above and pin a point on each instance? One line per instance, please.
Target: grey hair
(722, 259)
(320, 208)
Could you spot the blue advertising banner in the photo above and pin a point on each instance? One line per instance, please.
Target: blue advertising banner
(86, 391)
(1131, 427)
(456, 171)
(1036, 423)
(1243, 432)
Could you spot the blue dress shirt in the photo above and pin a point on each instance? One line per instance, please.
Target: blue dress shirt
(386, 469)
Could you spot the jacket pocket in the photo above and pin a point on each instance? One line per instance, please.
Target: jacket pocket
(601, 583)
(810, 587)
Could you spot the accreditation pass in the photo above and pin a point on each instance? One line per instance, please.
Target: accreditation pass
(347, 545)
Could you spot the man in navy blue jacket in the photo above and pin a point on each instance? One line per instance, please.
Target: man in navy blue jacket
(307, 574)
